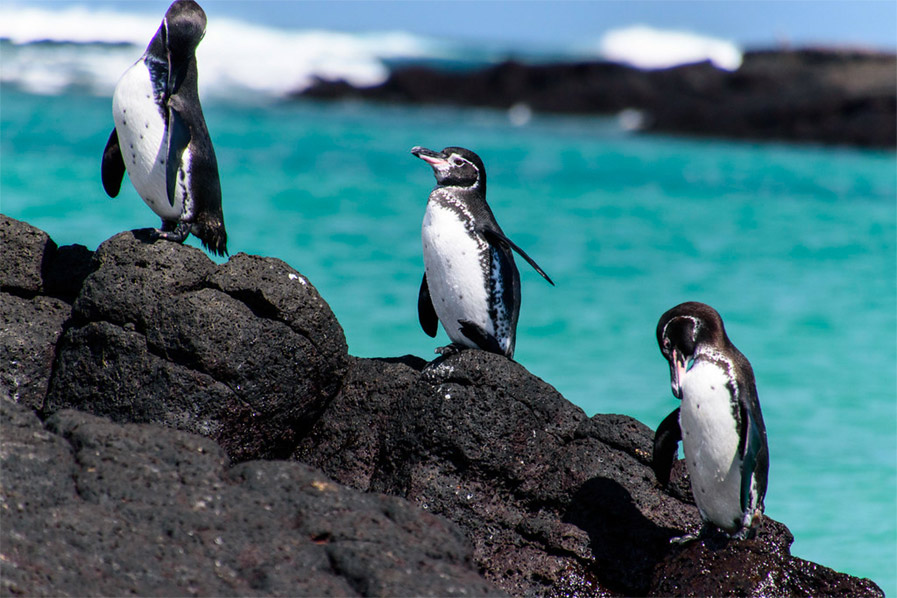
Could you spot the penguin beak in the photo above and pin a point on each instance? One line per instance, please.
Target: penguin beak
(677, 372)
(432, 158)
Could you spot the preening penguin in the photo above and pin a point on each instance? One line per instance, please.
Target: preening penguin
(470, 283)
(160, 135)
(719, 422)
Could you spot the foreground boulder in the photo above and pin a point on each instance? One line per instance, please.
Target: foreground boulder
(244, 353)
(527, 494)
(95, 508)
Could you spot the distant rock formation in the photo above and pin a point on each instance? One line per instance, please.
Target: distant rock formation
(142, 384)
(823, 96)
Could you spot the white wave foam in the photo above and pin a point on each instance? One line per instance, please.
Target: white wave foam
(234, 56)
(649, 48)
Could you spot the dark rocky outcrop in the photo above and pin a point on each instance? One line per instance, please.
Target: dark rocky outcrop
(96, 508)
(463, 476)
(246, 353)
(840, 97)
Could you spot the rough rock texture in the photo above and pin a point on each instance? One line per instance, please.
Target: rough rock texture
(555, 503)
(245, 352)
(95, 508)
(803, 95)
(547, 502)
(38, 282)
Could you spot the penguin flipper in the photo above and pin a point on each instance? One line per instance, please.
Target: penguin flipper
(496, 237)
(755, 458)
(112, 169)
(178, 139)
(480, 337)
(426, 313)
(666, 443)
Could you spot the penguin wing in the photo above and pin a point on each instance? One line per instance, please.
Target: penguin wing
(496, 237)
(112, 169)
(426, 313)
(480, 337)
(178, 139)
(754, 452)
(666, 443)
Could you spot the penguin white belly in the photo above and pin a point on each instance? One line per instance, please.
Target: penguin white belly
(710, 444)
(455, 275)
(144, 141)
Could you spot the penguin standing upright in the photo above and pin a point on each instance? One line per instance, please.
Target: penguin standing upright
(160, 135)
(719, 423)
(470, 283)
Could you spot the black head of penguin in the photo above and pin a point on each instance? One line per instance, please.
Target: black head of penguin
(455, 167)
(184, 26)
(689, 325)
(182, 29)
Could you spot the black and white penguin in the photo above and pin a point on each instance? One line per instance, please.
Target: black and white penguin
(470, 283)
(160, 134)
(719, 422)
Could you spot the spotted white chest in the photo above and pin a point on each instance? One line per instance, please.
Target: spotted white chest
(710, 444)
(453, 258)
(144, 143)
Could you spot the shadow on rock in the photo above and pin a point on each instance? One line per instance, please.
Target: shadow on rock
(625, 544)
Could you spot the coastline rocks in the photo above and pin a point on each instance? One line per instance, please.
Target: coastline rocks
(462, 476)
(555, 503)
(809, 95)
(97, 508)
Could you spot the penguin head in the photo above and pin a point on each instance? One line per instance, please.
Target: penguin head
(684, 329)
(455, 167)
(182, 29)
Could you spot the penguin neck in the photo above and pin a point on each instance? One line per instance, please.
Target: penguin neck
(471, 200)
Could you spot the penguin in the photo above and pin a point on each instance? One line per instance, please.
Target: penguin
(160, 135)
(719, 422)
(470, 284)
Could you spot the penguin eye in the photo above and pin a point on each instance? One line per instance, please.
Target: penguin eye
(457, 161)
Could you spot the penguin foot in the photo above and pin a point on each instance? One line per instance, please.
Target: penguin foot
(448, 350)
(177, 234)
(706, 530)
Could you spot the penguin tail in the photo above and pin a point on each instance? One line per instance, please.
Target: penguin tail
(212, 234)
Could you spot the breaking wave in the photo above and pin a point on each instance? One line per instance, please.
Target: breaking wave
(52, 51)
(649, 48)
(87, 49)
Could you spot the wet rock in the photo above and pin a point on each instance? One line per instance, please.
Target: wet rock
(555, 503)
(97, 508)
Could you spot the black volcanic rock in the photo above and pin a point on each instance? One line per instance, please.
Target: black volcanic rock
(522, 488)
(38, 282)
(840, 97)
(555, 503)
(244, 353)
(95, 508)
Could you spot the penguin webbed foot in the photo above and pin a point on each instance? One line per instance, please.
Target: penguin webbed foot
(448, 350)
(171, 231)
(706, 531)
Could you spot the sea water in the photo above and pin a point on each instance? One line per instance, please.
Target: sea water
(796, 246)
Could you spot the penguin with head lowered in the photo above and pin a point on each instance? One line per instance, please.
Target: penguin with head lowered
(719, 422)
(470, 282)
(160, 135)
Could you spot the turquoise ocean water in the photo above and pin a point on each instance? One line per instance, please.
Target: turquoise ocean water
(796, 246)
